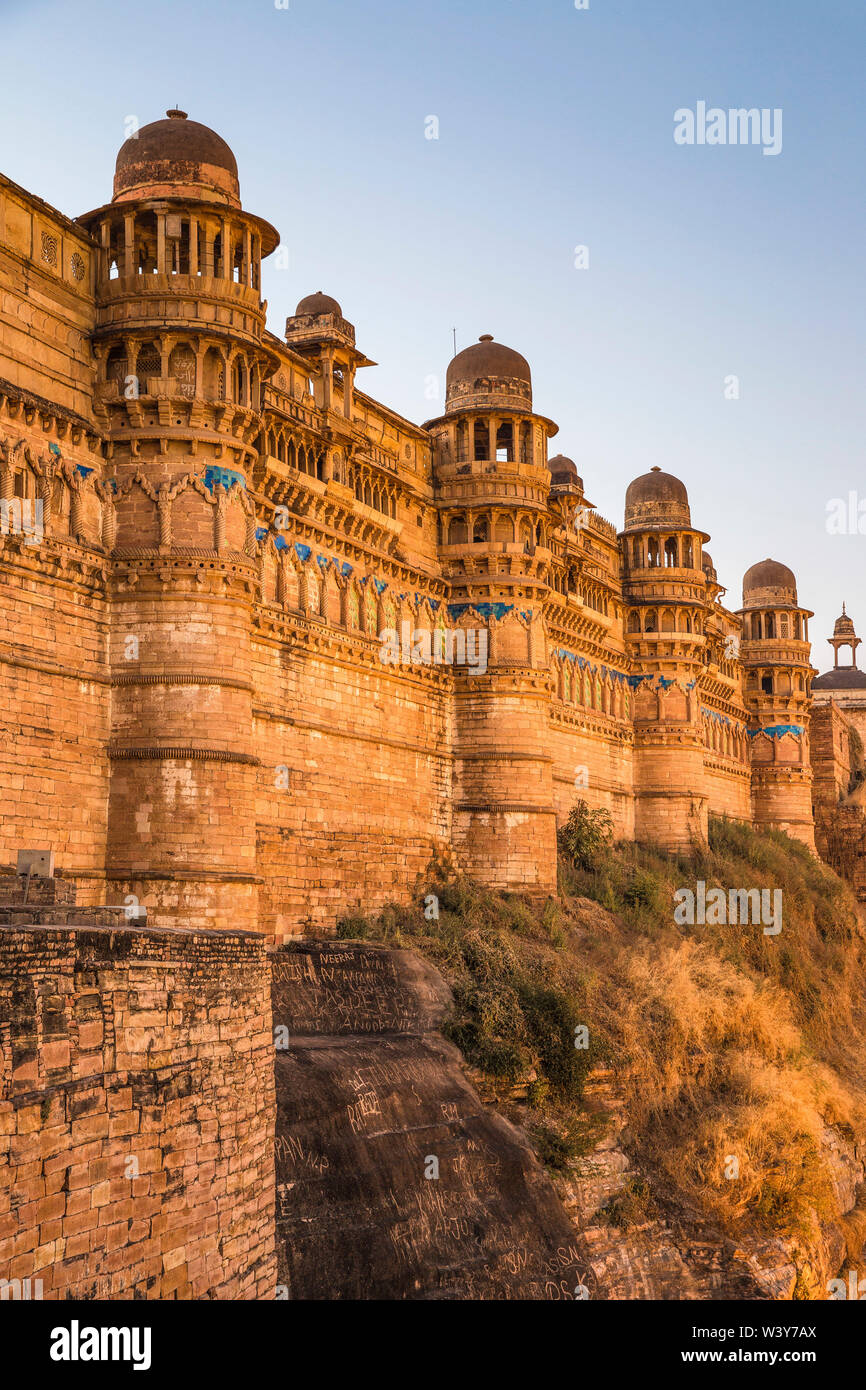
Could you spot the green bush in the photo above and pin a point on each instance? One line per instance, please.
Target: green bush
(353, 928)
(586, 836)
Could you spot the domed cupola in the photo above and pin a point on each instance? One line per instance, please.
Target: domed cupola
(176, 158)
(488, 374)
(656, 500)
(844, 625)
(769, 584)
(844, 675)
(314, 305)
(563, 472)
(318, 330)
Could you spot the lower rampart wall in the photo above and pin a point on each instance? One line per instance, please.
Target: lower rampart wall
(136, 1114)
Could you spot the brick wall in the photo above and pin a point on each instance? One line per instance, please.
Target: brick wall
(353, 797)
(831, 753)
(136, 1113)
(54, 717)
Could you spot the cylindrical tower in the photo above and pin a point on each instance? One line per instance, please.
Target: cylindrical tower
(776, 654)
(667, 593)
(492, 487)
(181, 360)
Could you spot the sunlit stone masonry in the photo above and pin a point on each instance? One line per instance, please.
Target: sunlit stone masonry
(209, 532)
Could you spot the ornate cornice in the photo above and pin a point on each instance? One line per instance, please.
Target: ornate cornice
(181, 755)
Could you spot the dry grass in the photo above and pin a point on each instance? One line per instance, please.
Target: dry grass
(727, 1044)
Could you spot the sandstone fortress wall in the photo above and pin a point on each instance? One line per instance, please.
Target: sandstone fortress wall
(195, 706)
(136, 1113)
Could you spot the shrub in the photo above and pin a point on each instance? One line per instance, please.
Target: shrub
(586, 835)
(353, 928)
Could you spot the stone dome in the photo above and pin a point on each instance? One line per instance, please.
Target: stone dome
(707, 563)
(769, 583)
(656, 501)
(318, 303)
(176, 157)
(488, 374)
(844, 626)
(563, 471)
(841, 678)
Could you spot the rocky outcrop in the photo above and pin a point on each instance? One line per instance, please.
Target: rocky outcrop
(393, 1179)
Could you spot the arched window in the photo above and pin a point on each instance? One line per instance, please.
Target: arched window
(458, 531)
(479, 535)
(671, 553)
(688, 553)
(148, 364)
(651, 622)
(653, 558)
(239, 382)
(505, 443)
(214, 376)
(634, 621)
(115, 368)
(181, 366)
(482, 440)
(771, 625)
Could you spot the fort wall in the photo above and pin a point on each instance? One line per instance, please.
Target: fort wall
(136, 1113)
(195, 709)
(54, 714)
(354, 785)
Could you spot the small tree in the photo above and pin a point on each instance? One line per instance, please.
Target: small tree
(586, 835)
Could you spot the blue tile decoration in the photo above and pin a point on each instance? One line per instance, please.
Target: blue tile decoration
(224, 476)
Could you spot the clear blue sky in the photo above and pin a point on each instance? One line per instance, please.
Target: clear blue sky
(555, 129)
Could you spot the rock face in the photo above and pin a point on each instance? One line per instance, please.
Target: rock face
(371, 1103)
(673, 1255)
